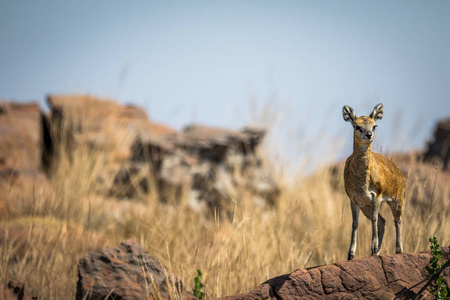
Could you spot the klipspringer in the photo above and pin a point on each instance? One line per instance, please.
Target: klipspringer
(371, 179)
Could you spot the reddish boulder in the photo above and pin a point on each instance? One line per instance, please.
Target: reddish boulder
(126, 272)
(376, 277)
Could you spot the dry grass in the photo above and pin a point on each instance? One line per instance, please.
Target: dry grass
(42, 240)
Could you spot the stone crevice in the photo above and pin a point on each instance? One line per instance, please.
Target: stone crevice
(308, 271)
(384, 269)
(321, 281)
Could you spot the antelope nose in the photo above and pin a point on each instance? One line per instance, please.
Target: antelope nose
(369, 134)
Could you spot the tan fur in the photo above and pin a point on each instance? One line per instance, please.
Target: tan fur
(370, 179)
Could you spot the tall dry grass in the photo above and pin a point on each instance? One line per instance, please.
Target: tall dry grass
(43, 239)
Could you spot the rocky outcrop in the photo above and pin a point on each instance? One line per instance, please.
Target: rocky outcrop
(213, 162)
(439, 150)
(210, 164)
(207, 165)
(376, 277)
(15, 290)
(126, 272)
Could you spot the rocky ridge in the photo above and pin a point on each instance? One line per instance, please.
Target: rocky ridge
(210, 164)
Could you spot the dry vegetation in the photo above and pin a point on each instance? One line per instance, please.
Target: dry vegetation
(49, 231)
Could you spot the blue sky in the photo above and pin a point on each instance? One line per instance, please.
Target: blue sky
(213, 62)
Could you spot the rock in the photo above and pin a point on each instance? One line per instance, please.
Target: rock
(129, 180)
(376, 277)
(126, 272)
(212, 144)
(91, 111)
(20, 136)
(100, 123)
(211, 163)
(20, 153)
(104, 127)
(136, 156)
(223, 162)
(439, 150)
(15, 290)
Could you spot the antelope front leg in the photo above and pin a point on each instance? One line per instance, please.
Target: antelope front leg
(375, 208)
(397, 213)
(398, 229)
(355, 217)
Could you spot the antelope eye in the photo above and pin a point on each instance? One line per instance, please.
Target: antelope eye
(374, 127)
(359, 128)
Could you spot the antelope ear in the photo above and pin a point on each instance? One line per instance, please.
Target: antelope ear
(377, 112)
(348, 114)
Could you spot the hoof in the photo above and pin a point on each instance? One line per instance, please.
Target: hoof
(375, 252)
(350, 257)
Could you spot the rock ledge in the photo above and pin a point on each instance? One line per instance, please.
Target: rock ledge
(377, 277)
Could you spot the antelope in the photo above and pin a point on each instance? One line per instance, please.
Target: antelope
(371, 179)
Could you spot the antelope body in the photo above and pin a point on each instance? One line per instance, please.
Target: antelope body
(371, 179)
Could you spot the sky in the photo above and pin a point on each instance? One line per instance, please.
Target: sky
(288, 66)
